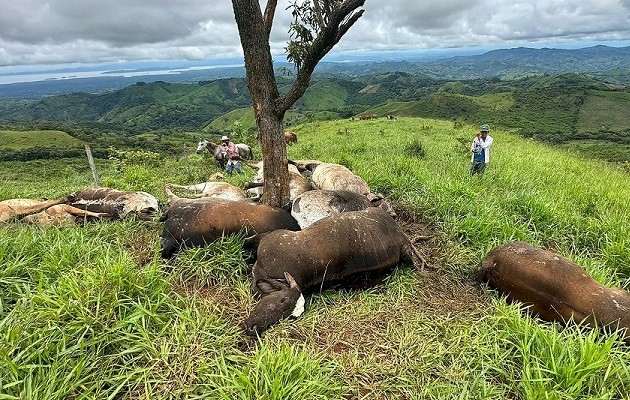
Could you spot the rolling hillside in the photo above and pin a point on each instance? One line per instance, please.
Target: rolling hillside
(16, 140)
(139, 107)
(572, 109)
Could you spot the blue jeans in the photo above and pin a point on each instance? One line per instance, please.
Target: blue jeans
(477, 168)
(233, 165)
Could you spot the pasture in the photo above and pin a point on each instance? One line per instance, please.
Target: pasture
(93, 312)
(15, 140)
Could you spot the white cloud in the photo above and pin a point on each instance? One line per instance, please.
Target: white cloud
(58, 31)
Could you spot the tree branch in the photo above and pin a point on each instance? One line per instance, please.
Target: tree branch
(270, 10)
(338, 24)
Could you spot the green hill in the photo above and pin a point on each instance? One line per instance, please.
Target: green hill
(16, 140)
(141, 106)
(555, 108)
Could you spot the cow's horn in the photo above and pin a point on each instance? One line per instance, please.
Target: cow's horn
(292, 283)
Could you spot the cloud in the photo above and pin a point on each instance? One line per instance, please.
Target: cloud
(115, 22)
(58, 31)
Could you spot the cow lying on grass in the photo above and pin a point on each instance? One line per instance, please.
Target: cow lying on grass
(314, 205)
(43, 213)
(222, 190)
(555, 288)
(196, 222)
(329, 176)
(297, 183)
(62, 214)
(333, 250)
(117, 203)
(15, 209)
(219, 153)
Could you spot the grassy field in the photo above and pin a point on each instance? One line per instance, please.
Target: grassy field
(15, 140)
(604, 110)
(92, 312)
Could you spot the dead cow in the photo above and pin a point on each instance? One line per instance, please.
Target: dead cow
(118, 204)
(557, 289)
(314, 205)
(222, 190)
(15, 209)
(332, 250)
(196, 222)
(329, 176)
(62, 214)
(297, 183)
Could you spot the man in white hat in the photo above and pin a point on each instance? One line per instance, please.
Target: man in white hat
(480, 150)
(231, 154)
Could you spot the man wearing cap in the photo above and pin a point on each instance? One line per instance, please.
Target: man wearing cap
(231, 154)
(480, 149)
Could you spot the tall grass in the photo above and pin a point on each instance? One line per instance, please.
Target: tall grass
(93, 312)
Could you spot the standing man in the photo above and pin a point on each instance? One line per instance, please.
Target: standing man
(232, 156)
(480, 149)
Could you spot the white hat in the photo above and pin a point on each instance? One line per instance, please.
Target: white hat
(224, 138)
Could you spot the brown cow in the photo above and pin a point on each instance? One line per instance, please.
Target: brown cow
(196, 222)
(332, 250)
(15, 209)
(555, 288)
(118, 204)
(290, 138)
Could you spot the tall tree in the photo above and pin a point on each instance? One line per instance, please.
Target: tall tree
(317, 27)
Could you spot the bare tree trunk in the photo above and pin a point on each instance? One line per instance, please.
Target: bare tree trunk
(254, 35)
(334, 20)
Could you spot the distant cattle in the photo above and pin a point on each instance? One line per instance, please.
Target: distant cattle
(196, 222)
(220, 155)
(554, 288)
(333, 250)
(15, 209)
(368, 117)
(290, 137)
(117, 203)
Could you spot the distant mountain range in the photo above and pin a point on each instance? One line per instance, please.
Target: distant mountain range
(526, 90)
(606, 63)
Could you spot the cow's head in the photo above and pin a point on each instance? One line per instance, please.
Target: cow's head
(141, 204)
(378, 200)
(279, 300)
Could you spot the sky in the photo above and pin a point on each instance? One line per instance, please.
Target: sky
(50, 32)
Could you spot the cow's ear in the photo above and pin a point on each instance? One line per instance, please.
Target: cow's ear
(374, 198)
(292, 283)
(267, 286)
